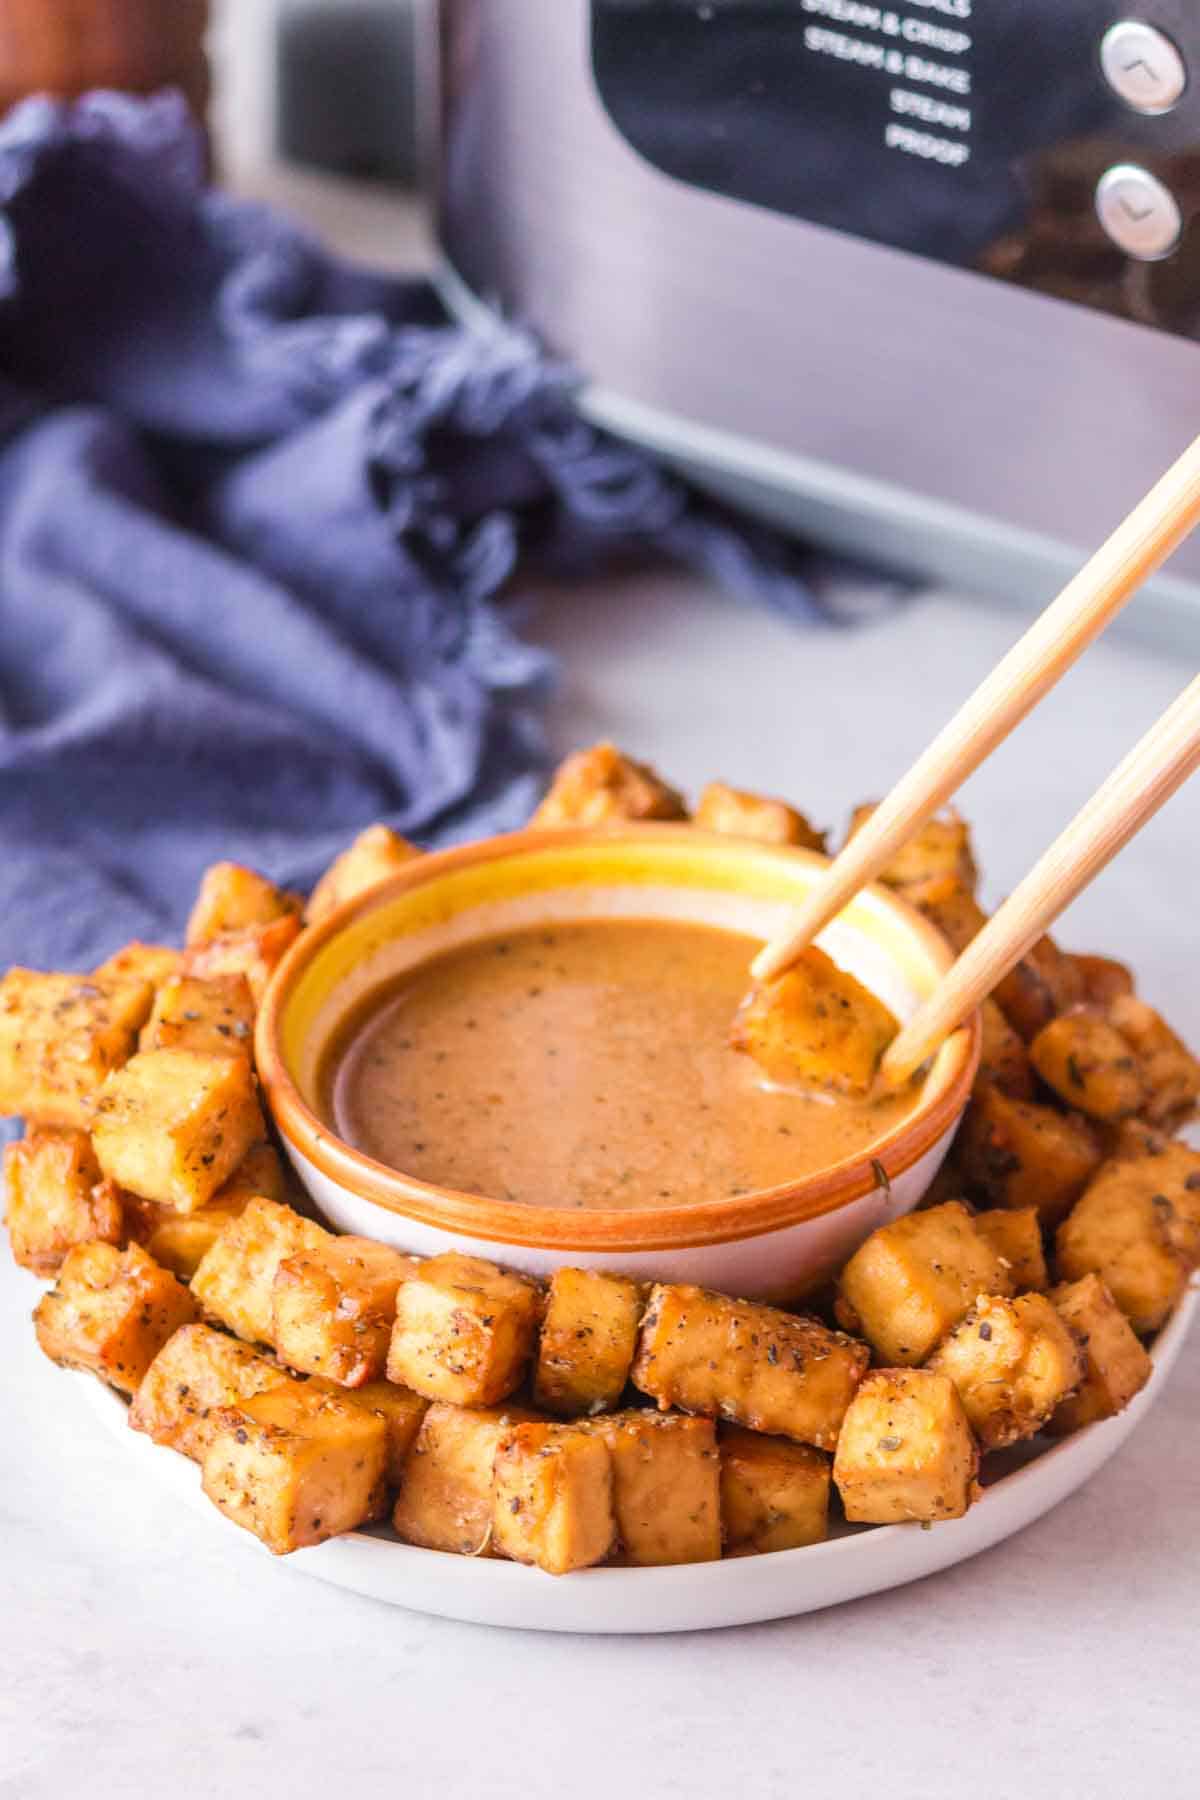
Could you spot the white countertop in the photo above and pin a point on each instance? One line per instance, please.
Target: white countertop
(147, 1651)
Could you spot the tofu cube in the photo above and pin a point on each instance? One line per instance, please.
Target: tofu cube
(600, 785)
(1170, 1073)
(1104, 980)
(1116, 1365)
(941, 848)
(235, 1283)
(816, 1026)
(231, 898)
(401, 1411)
(1044, 983)
(1089, 1065)
(666, 1486)
(1016, 1237)
(60, 1038)
(1017, 1153)
(464, 1331)
(214, 1017)
(552, 1499)
(296, 1465)
(375, 854)
(753, 1365)
(588, 1337)
(913, 1280)
(57, 1198)
(154, 963)
(172, 1125)
(950, 904)
(774, 1494)
(732, 810)
(111, 1311)
(1127, 1231)
(255, 952)
(196, 1372)
(334, 1306)
(1013, 1362)
(1003, 1057)
(445, 1497)
(181, 1241)
(906, 1450)
(260, 1173)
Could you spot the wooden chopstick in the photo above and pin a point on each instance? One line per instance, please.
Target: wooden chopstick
(1059, 636)
(1133, 793)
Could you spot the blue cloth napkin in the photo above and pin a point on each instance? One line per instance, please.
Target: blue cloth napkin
(257, 509)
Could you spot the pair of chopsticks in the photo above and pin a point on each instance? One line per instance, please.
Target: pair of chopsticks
(1133, 793)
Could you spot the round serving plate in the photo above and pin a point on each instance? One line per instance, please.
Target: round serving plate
(700, 1596)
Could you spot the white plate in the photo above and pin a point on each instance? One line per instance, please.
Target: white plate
(699, 1596)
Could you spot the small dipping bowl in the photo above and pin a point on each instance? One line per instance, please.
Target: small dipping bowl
(776, 1243)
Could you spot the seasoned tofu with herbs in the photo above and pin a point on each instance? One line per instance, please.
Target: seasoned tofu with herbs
(111, 1311)
(1104, 979)
(1013, 1362)
(601, 786)
(552, 1497)
(56, 1198)
(739, 814)
(154, 963)
(1003, 1055)
(445, 1496)
(1128, 1231)
(181, 1241)
(1116, 1365)
(906, 1451)
(173, 1125)
(255, 952)
(940, 849)
(1016, 1236)
(666, 1486)
(232, 898)
(61, 1036)
(1170, 1073)
(912, 1281)
(753, 1365)
(401, 1411)
(774, 1494)
(816, 1026)
(235, 1282)
(587, 1342)
(197, 1371)
(1045, 983)
(334, 1307)
(1089, 1065)
(375, 854)
(213, 1016)
(1018, 1153)
(464, 1331)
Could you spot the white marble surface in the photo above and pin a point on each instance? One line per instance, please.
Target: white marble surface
(144, 1651)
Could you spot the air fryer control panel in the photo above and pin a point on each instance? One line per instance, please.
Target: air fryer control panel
(1050, 143)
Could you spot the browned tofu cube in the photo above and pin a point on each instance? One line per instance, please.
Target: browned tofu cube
(464, 1331)
(753, 1365)
(1046, 982)
(1003, 1058)
(1089, 1065)
(1104, 980)
(57, 1198)
(588, 1337)
(154, 963)
(1013, 1362)
(232, 898)
(111, 1311)
(401, 1411)
(1016, 1237)
(295, 1465)
(235, 1283)
(172, 1125)
(197, 1371)
(1170, 1073)
(942, 847)
(774, 1494)
(666, 1486)
(334, 1307)
(181, 1241)
(950, 904)
(1116, 1365)
(1127, 1231)
(375, 854)
(913, 1280)
(60, 1037)
(732, 810)
(445, 1497)
(214, 1017)
(552, 1499)
(816, 1026)
(600, 785)
(906, 1450)
(255, 952)
(1017, 1153)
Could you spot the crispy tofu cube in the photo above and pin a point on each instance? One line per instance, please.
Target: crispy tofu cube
(1089, 1065)
(375, 854)
(732, 810)
(950, 904)
(295, 1465)
(60, 1037)
(666, 1486)
(1129, 1231)
(1116, 1365)
(774, 1494)
(232, 898)
(1017, 1153)
(57, 1198)
(1003, 1058)
(235, 1283)
(942, 847)
(260, 1172)
(401, 1411)
(913, 1280)
(334, 1307)
(600, 785)
(1170, 1073)
(1016, 1237)
(754, 1365)
(154, 963)
(906, 1450)
(588, 1337)
(464, 1331)
(1104, 980)
(214, 1017)
(196, 1372)
(445, 1497)
(255, 952)
(816, 1025)
(552, 1498)
(1044, 983)
(181, 1241)
(1013, 1362)
(111, 1311)
(172, 1125)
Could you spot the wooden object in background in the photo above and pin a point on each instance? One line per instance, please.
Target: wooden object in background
(64, 47)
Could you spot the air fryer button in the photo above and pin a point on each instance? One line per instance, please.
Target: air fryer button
(1143, 66)
(1140, 215)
